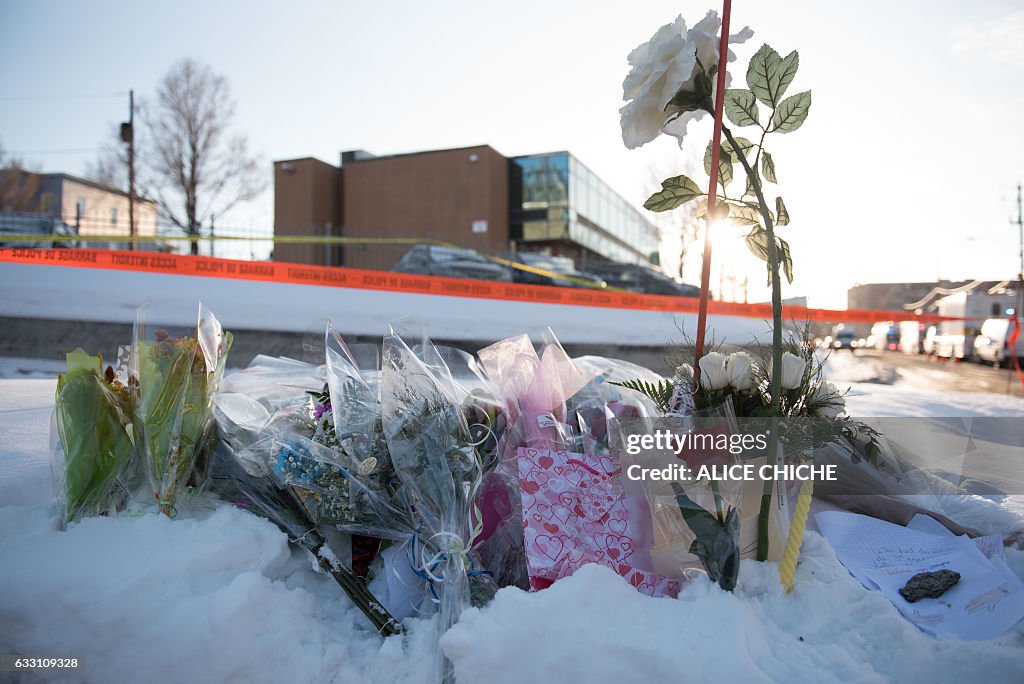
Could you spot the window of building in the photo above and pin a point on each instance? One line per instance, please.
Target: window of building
(80, 208)
(113, 216)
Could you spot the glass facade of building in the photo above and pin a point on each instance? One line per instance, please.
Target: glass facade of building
(555, 198)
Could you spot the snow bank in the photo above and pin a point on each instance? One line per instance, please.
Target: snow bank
(594, 627)
(223, 598)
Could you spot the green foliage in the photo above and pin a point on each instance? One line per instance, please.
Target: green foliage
(745, 146)
(674, 192)
(751, 177)
(91, 416)
(781, 212)
(768, 74)
(791, 113)
(744, 215)
(725, 162)
(768, 167)
(757, 243)
(741, 107)
(660, 393)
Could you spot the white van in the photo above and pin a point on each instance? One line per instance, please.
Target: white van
(992, 344)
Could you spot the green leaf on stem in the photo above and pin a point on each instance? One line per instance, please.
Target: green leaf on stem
(721, 209)
(768, 167)
(674, 192)
(791, 113)
(741, 107)
(725, 162)
(750, 183)
(785, 258)
(768, 74)
(744, 215)
(745, 146)
(780, 210)
(686, 99)
(757, 243)
(756, 206)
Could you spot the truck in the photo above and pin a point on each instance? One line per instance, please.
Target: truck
(954, 339)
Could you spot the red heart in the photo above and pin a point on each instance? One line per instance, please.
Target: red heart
(624, 569)
(545, 462)
(529, 486)
(614, 553)
(550, 546)
(637, 579)
(552, 528)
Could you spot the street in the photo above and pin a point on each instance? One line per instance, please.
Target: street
(918, 371)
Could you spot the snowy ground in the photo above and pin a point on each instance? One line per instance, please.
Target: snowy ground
(221, 598)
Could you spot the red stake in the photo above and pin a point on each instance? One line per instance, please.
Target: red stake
(705, 274)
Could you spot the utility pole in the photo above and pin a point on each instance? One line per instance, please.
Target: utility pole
(128, 136)
(1020, 229)
(1019, 309)
(213, 217)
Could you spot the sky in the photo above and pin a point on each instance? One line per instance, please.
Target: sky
(905, 170)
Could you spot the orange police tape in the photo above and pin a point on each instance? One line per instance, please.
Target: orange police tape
(302, 274)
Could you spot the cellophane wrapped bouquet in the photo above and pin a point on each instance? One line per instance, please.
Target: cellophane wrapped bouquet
(92, 441)
(175, 380)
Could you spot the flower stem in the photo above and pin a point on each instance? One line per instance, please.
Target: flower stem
(775, 386)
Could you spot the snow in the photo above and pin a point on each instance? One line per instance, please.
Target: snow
(222, 597)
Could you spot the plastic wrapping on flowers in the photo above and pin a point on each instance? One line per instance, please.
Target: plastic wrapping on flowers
(695, 522)
(176, 379)
(91, 443)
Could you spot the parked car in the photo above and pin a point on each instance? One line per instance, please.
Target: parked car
(453, 262)
(844, 339)
(967, 311)
(993, 343)
(885, 336)
(555, 265)
(636, 278)
(20, 223)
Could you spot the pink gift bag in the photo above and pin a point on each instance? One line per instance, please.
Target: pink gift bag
(575, 512)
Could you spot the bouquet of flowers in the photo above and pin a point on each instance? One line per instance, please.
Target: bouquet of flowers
(94, 441)
(175, 380)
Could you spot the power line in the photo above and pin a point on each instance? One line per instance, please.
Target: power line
(71, 150)
(97, 96)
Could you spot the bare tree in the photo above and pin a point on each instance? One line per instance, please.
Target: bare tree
(19, 188)
(191, 165)
(680, 225)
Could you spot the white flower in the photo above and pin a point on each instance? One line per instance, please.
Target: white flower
(740, 369)
(830, 401)
(660, 68)
(792, 371)
(712, 371)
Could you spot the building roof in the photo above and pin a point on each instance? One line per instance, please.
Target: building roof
(94, 184)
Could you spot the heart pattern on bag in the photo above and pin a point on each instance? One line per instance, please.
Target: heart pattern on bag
(574, 514)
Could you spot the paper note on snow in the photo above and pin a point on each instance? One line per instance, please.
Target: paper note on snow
(574, 513)
(987, 601)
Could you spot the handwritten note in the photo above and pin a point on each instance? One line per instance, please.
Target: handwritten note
(988, 600)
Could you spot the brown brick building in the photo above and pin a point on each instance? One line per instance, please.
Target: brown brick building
(474, 197)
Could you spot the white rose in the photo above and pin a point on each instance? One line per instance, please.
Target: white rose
(792, 371)
(830, 401)
(740, 369)
(712, 371)
(663, 66)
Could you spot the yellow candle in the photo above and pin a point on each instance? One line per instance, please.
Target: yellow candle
(787, 568)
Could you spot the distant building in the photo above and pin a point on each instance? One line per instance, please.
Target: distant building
(893, 296)
(84, 206)
(473, 197)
